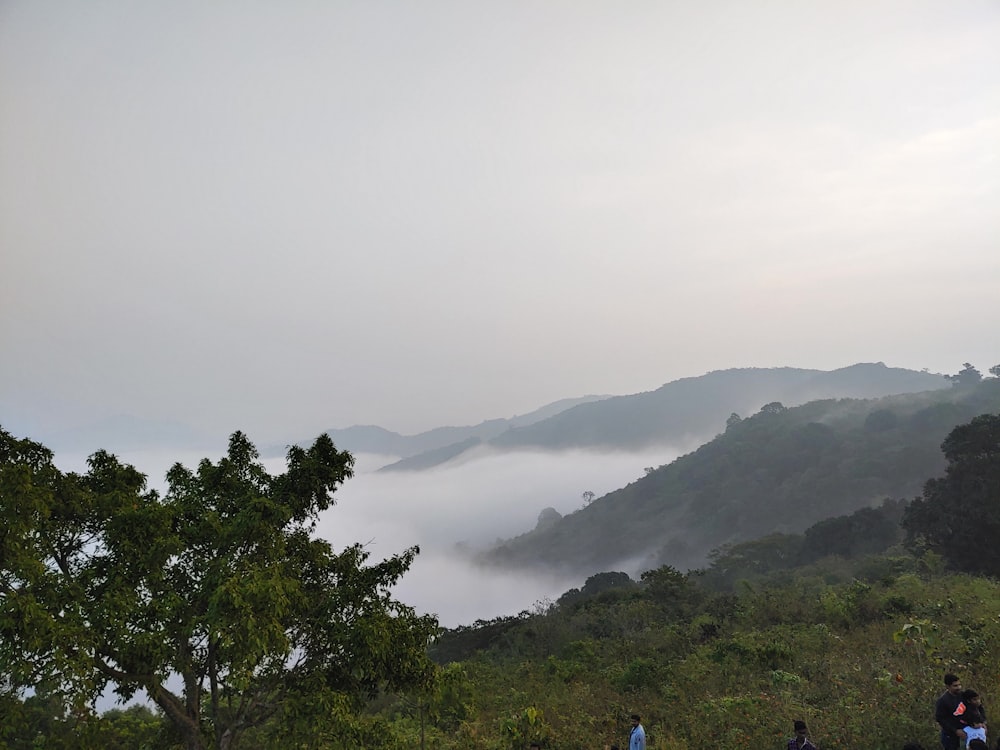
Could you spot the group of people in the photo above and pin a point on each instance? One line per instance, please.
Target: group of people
(962, 717)
(960, 713)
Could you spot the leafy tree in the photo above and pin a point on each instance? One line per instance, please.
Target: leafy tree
(995, 371)
(731, 562)
(958, 515)
(215, 599)
(866, 531)
(968, 375)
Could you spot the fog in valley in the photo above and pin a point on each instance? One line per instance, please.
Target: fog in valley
(450, 512)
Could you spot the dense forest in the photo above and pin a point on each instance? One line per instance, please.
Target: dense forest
(848, 623)
(779, 469)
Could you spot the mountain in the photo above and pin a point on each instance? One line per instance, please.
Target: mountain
(780, 470)
(690, 410)
(372, 439)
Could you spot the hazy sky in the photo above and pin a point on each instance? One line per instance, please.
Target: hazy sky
(284, 217)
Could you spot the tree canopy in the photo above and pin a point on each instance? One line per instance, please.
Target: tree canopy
(217, 599)
(958, 515)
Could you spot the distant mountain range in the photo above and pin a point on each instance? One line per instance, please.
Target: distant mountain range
(680, 413)
(779, 470)
(373, 439)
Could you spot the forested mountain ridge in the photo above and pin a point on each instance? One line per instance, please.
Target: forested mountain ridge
(781, 470)
(686, 411)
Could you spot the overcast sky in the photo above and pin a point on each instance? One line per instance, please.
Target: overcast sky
(284, 217)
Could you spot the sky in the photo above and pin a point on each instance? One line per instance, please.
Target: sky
(287, 217)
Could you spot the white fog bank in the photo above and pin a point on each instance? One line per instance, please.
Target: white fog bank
(449, 512)
(467, 506)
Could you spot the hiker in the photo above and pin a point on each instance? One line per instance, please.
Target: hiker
(637, 737)
(948, 713)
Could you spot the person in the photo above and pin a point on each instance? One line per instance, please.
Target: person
(637, 737)
(801, 739)
(948, 713)
(978, 744)
(974, 718)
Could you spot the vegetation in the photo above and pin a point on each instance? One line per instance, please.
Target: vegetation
(780, 470)
(959, 514)
(677, 413)
(849, 624)
(215, 600)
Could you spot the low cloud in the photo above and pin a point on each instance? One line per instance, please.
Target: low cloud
(464, 507)
(449, 512)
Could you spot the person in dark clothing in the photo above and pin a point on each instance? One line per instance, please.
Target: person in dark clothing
(974, 718)
(801, 739)
(975, 711)
(948, 713)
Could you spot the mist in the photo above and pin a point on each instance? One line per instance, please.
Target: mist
(450, 513)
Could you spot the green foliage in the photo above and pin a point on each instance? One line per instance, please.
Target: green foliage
(859, 673)
(958, 515)
(778, 472)
(866, 531)
(220, 583)
(967, 376)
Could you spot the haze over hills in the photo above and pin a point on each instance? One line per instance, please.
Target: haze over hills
(459, 507)
(374, 439)
(683, 412)
(677, 413)
(780, 470)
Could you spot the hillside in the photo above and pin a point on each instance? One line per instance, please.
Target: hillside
(374, 439)
(780, 470)
(691, 410)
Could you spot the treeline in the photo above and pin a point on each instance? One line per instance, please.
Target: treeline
(780, 470)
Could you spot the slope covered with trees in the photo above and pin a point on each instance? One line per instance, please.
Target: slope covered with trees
(680, 412)
(780, 470)
(843, 625)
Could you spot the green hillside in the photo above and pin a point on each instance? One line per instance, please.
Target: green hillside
(692, 408)
(686, 411)
(780, 470)
(849, 625)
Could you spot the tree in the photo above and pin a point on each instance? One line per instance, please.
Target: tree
(216, 599)
(775, 407)
(958, 515)
(867, 531)
(968, 375)
(995, 371)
